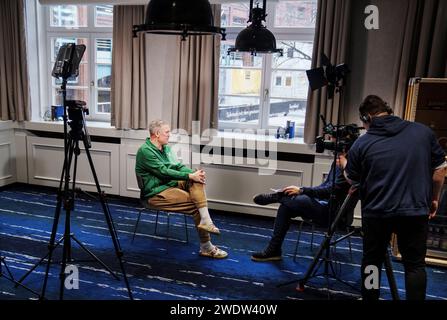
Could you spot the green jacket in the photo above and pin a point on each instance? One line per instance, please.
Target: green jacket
(159, 169)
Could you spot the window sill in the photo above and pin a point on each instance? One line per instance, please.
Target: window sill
(247, 140)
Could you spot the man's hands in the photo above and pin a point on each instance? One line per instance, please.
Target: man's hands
(341, 160)
(198, 176)
(292, 190)
(433, 209)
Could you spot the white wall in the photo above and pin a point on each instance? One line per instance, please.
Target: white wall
(7, 155)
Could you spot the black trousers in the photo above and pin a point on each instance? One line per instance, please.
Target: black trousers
(291, 207)
(412, 243)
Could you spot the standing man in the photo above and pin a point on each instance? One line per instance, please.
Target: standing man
(171, 186)
(401, 169)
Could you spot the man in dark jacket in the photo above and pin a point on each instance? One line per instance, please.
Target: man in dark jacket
(400, 167)
(305, 202)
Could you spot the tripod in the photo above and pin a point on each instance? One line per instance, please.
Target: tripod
(348, 204)
(65, 196)
(9, 276)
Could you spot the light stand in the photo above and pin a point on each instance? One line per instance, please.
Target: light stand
(66, 66)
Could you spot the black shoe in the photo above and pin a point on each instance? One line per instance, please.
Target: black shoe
(267, 198)
(266, 255)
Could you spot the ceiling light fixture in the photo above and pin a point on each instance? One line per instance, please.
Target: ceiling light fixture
(256, 38)
(179, 17)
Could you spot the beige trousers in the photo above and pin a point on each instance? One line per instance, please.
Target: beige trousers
(187, 198)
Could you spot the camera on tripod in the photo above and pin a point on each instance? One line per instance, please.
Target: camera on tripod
(344, 135)
(77, 110)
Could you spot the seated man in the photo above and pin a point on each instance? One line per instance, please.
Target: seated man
(171, 186)
(306, 202)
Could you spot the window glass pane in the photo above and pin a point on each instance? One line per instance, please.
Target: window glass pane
(239, 81)
(235, 14)
(238, 59)
(296, 14)
(289, 96)
(297, 55)
(104, 75)
(240, 77)
(238, 109)
(103, 101)
(72, 94)
(104, 51)
(288, 101)
(104, 16)
(283, 110)
(68, 16)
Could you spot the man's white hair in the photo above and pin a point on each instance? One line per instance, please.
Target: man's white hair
(156, 125)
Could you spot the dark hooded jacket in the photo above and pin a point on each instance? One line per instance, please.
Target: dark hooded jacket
(394, 163)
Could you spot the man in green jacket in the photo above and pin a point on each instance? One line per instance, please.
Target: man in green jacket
(171, 186)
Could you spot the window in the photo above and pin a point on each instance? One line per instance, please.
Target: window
(278, 81)
(278, 86)
(90, 25)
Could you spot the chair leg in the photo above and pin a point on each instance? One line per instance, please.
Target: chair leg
(167, 231)
(136, 224)
(186, 228)
(350, 245)
(156, 222)
(312, 238)
(298, 240)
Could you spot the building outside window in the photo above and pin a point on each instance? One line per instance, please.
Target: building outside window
(90, 25)
(278, 88)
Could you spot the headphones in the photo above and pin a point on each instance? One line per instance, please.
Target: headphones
(366, 118)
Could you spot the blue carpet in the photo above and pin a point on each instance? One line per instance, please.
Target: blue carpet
(166, 270)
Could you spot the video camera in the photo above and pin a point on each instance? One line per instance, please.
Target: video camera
(344, 135)
(77, 110)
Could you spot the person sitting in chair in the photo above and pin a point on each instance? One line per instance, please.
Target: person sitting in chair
(310, 203)
(171, 186)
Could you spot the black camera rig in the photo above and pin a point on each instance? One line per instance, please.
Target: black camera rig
(343, 136)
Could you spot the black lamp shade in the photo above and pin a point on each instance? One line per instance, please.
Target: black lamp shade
(179, 17)
(180, 12)
(256, 38)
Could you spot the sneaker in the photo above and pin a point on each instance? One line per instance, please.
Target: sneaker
(214, 253)
(266, 255)
(267, 198)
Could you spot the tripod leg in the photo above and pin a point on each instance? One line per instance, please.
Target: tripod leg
(66, 252)
(10, 277)
(108, 216)
(390, 276)
(312, 266)
(61, 197)
(95, 257)
(38, 263)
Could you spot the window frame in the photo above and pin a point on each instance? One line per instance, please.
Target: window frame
(91, 33)
(281, 33)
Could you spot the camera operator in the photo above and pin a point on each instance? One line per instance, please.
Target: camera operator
(305, 202)
(400, 167)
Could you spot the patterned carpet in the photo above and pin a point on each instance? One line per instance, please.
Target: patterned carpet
(164, 270)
